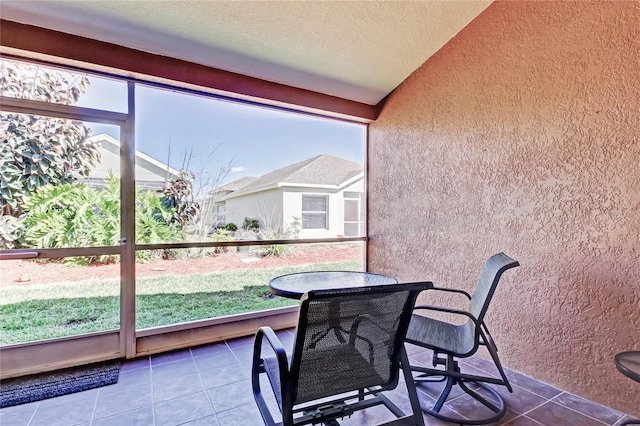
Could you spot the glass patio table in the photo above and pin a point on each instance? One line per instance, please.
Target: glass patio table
(628, 363)
(293, 286)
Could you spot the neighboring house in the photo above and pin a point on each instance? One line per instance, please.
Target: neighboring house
(151, 174)
(213, 206)
(324, 194)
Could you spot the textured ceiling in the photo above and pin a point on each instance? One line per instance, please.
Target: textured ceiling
(357, 50)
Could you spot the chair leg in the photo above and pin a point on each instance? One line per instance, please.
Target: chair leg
(265, 412)
(411, 388)
(455, 377)
(493, 351)
(448, 386)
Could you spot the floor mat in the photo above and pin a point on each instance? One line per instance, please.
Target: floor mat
(36, 387)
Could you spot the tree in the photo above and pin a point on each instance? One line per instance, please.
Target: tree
(204, 190)
(178, 195)
(34, 150)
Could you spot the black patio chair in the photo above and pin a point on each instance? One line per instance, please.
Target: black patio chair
(332, 377)
(451, 341)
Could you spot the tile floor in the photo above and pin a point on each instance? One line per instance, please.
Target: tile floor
(209, 385)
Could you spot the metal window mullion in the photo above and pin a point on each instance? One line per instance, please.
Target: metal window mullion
(49, 109)
(208, 244)
(128, 231)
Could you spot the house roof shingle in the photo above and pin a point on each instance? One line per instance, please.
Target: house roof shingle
(237, 185)
(322, 170)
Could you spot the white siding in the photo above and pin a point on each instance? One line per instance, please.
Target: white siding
(265, 206)
(292, 201)
(149, 173)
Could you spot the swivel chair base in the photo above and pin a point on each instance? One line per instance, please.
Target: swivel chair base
(452, 376)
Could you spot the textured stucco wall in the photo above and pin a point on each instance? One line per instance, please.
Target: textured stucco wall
(522, 135)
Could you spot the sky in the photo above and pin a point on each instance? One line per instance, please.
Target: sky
(214, 134)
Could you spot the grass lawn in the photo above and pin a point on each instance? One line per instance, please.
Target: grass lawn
(65, 309)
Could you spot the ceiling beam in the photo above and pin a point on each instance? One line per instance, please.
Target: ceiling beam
(61, 48)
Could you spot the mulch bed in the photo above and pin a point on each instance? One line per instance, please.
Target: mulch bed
(25, 273)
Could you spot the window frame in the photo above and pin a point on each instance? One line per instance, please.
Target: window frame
(316, 213)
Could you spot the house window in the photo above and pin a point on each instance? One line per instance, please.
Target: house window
(353, 214)
(314, 211)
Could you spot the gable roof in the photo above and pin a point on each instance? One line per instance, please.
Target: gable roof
(322, 171)
(150, 173)
(218, 195)
(236, 185)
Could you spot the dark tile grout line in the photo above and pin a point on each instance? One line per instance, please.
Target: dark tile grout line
(34, 413)
(584, 414)
(93, 413)
(193, 358)
(98, 395)
(522, 416)
(153, 405)
(546, 400)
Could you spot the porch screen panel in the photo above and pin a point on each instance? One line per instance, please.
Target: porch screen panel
(60, 191)
(61, 219)
(50, 299)
(209, 171)
(60, 183)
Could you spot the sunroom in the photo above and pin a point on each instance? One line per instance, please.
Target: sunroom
(481, 127)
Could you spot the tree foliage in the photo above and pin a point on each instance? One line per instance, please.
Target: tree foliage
(77, 215)
(178, 195)
(36, 151)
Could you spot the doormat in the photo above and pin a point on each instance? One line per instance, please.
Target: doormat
(36, 387)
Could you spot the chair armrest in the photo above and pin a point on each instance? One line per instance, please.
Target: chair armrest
(451, 290)
(448, 311)
(276, 345)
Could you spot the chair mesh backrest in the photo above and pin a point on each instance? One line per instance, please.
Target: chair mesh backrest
(372, 324)
(493, 269)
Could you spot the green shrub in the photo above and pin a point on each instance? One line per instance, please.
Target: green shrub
(221, 235)
(76, 215)
(155, 220)
(250, 224)
(273, 250)
(231, 227)
(71, 215)
(178, 196)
